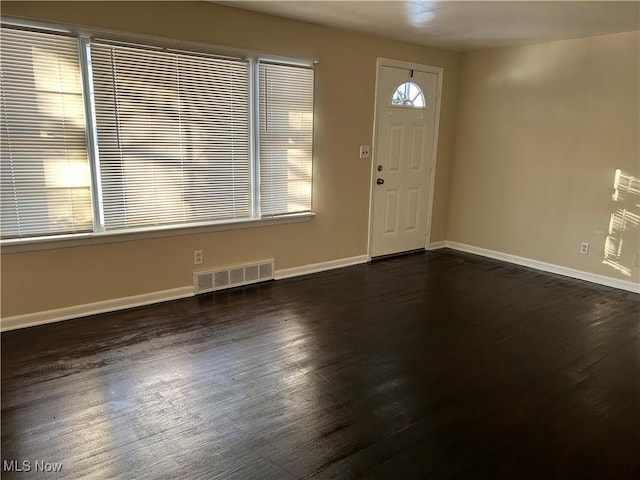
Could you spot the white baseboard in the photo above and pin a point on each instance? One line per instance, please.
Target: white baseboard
(547, 267)
(76, 311)
(319, 267)
(50, 316)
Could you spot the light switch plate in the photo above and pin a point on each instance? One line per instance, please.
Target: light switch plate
(364, 151)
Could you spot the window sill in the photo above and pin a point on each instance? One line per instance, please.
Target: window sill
(83, 239)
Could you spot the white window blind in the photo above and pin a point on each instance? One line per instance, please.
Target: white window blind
(168, 138)
(173, 136)
(45, 180)
(286, 138)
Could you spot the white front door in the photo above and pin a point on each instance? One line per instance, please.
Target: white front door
(405, 126)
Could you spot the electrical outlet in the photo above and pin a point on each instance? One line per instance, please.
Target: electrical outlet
(364, 151)
(197, 257)
(584, 248)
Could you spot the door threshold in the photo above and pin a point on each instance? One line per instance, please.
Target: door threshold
(398, 254)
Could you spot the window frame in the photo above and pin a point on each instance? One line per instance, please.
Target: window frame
(84, 37)
(411, 105)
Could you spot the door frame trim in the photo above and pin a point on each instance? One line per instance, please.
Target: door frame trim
(439, 72)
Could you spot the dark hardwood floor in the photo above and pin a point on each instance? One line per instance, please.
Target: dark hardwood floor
(437, 365)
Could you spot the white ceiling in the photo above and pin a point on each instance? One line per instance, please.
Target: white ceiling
(462, 25)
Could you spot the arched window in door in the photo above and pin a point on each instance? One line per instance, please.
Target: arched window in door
(408, 94)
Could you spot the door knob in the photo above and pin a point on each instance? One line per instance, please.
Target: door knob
(380, 181)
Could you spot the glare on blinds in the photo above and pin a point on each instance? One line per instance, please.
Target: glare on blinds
(173, 137)
(286, 138)
(45, 179)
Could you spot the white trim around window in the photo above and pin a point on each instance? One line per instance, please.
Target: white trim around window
(172, 133)
(79, 240)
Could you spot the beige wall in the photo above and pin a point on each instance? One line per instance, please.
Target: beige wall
(345, 83)
(541, 132)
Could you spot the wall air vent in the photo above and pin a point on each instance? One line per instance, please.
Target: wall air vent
(235, 276)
